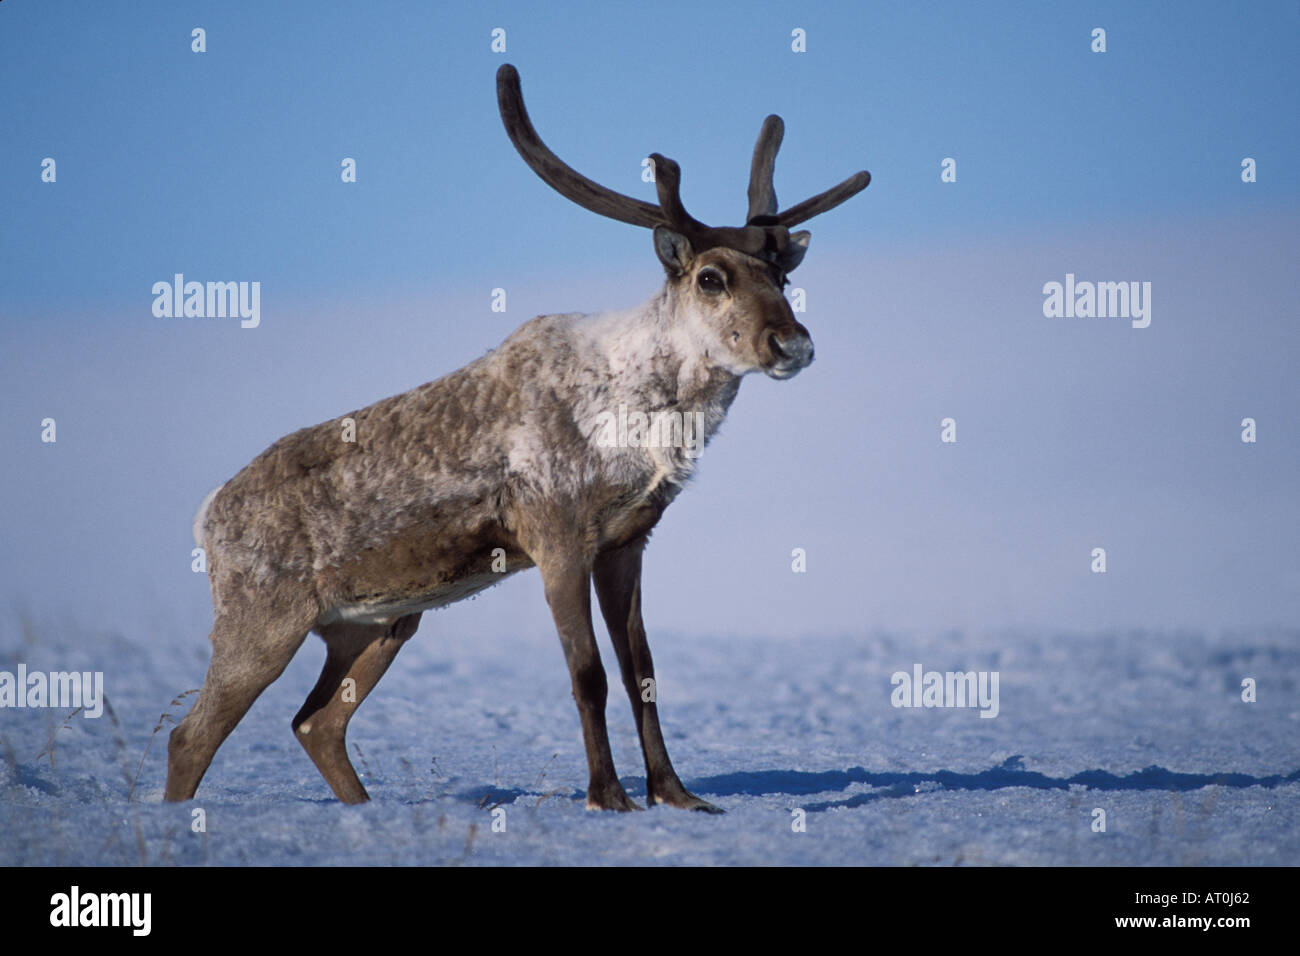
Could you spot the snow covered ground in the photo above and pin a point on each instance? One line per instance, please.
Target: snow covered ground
(1148, 727)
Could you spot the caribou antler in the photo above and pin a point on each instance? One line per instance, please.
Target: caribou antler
(823, 201)
(762, 196)
(558, 175)
(765, 234)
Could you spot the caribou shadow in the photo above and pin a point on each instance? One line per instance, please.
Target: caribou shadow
(1010, 773)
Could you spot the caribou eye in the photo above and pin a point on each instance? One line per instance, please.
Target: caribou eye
(711, 281)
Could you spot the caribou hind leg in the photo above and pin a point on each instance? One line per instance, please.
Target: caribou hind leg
(248, 653)
(359, 653)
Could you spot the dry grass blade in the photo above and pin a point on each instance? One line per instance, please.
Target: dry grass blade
(163, 719)
(49, 744)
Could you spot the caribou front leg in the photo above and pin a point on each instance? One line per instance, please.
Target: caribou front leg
(568, 591)
(617, 575)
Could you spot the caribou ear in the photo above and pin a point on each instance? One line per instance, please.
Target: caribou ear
(674, 250)
(793, 253)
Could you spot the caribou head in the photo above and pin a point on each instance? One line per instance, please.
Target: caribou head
(726, 281)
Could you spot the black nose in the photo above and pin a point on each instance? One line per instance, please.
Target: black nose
(797, 350)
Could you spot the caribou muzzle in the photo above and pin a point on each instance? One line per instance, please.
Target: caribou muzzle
(786, 352)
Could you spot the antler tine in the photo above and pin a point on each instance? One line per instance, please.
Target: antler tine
(762, 194)
(668, 183)
(823, 201)
(562, 178)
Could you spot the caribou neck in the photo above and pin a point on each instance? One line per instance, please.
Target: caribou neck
(658, 363)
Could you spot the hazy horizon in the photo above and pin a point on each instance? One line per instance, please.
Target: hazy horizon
(925, 298)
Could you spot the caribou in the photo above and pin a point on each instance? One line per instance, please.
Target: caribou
(446, 489)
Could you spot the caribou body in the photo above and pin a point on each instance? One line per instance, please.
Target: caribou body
(495, 468)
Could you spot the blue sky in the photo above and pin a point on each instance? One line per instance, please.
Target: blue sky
(229, 159)
(924, 296)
